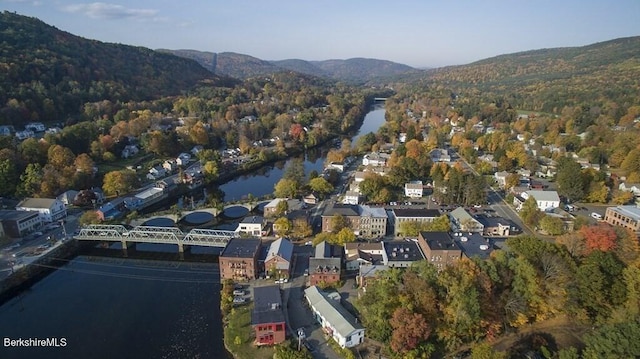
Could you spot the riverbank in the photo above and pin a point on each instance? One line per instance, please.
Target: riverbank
(27, 275)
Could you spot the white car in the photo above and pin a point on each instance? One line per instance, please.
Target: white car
(238, 292)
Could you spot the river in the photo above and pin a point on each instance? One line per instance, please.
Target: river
(106, 306)
(261, 182)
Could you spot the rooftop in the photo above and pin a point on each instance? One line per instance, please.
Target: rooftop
(439, 241)
(348, 210)
(253, 219)
(376, 212)
(544, 195)
(473, 245)
(321, 265)
(630, 211)
(343, 321)
(281, 247)
(416, 212)
(241, 248)
(267, 305)
(402, 251)
(37, 203)
(328, 250)
(16, 215)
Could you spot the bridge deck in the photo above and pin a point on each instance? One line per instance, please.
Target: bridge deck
(162, 235)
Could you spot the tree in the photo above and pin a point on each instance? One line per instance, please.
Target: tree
(409, 330)
(338, 222)
(89, 217)
(30, 180)
(530, 213)
(574, 242)
(618, 340)
(301, 228)
(344, 236)
(570, 180)
(600, 237)
(282, 226)
(210, 171)
(320, 185)
(8, 177)
(440, 224)
(598, 192)
(119, 182)
(485, 351)
(286, 188)
(552, 225)
(621, 197)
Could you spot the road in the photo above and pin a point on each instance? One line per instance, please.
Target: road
(497, 201)
(19, 253)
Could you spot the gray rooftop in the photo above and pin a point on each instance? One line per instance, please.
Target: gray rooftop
(473, 245)
(439, 241)
(343, 321)
(241, 248)
(267, 305)
(281, 247)
(416, 212)
(630, 211)
(402, 251)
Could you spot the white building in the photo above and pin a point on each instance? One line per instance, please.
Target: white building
(49, 209)
(183, 159)
(334, 318)
(251, 226)
(547, 200)
(351, 197)
(375, 159)
(413, 189)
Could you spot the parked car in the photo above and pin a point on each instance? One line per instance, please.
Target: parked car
(306, 272)
(308, 345)
(238, 292)
(238, 300)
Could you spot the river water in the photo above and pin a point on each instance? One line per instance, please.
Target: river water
(149, 305)
(261, 182)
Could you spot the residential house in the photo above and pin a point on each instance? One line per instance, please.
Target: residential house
(196, 149)
(17, 224)
(6, 130)
(473, 245)
(23, 135)
(129, 150)
(402, 215)
(334, 319)
(311, 198)
(624, 216)
(327, 250)
(413, 189)
(156, 172)
(278, 261)
(360, 253)
(267, 316)
(462, 221)
(271, 208)
(440, 155)
(183, 159)
(359, 176)
(401, 254)
(338, 166)
(35, 126)
(170, 165)
(325, 271)
(251, 226)
(112, 210)
(68, 197)
(439, 248)
(376, 159)
(501, 178)
(239, 259)
(50, 209)
(351, 197)
(546, 200)
(630, 187)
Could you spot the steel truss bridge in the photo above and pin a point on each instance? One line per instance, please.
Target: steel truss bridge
(162, 235)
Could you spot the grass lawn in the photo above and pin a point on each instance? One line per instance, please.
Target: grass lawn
(238, 335)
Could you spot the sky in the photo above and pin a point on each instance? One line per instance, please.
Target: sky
(418, 33)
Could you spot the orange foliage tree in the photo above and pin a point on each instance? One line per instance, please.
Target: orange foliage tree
(599, 237)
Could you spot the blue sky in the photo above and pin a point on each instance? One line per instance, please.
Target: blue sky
(420, 33)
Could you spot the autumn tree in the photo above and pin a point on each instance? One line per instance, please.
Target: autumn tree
(321, 186)
(552, 225)
(301, 228)
(338, 222)
(409, 330)
(621, 197)
(286, 188)
(119, 182)
(282, 226)
(600, 237)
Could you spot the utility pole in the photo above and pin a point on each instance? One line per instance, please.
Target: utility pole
(64, 229)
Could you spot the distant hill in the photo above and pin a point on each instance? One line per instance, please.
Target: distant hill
(356, 70)
(53, 73)
(549, 79)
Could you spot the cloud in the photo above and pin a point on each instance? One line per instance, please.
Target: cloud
(100, 10)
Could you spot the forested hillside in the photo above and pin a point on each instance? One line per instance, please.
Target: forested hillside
(47, 74)
(603, 76)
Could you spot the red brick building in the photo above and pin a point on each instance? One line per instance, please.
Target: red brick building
(267, 317)
(239, 260)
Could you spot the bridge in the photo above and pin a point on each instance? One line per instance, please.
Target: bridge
(162, 235)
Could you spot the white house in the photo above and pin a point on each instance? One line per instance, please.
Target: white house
(156, 172)
(334, 318)
(251, 226)
(413, 189)
(49, 209)
(23, 135)
(501, 178)
(35, 126)
(375, 159)
(129, 150)
(630, 187)
(440, 155)
(547, 200)
(351, 197)
(338, 166)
